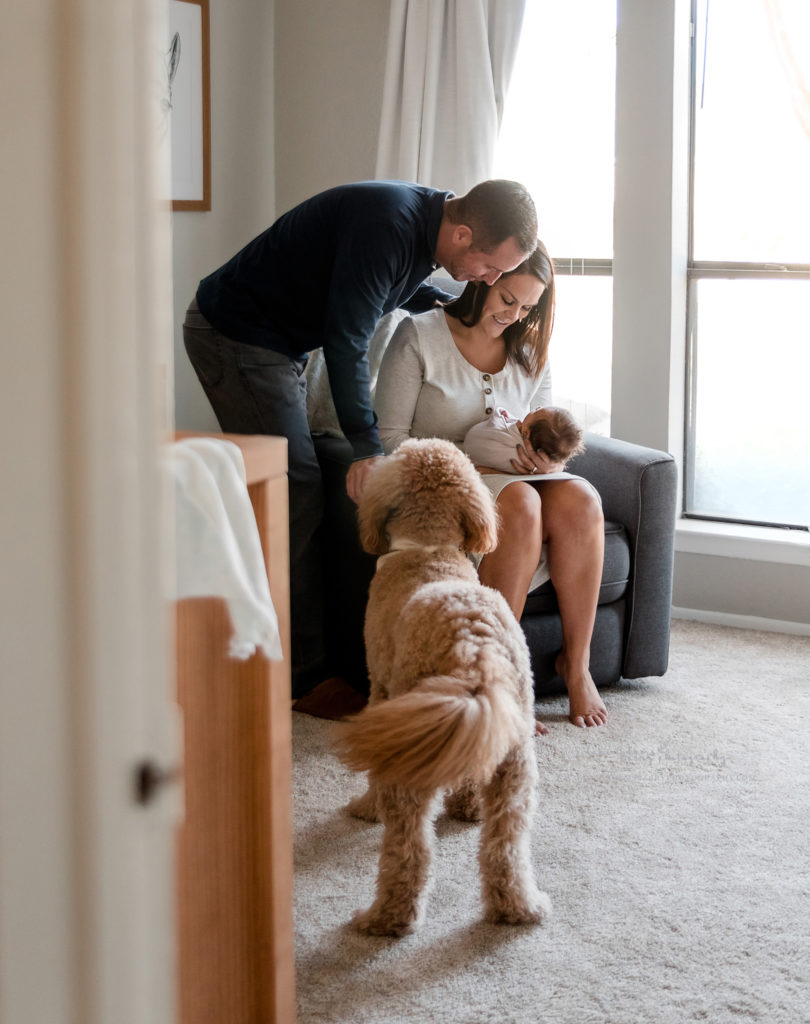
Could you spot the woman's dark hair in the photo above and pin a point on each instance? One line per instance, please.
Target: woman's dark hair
(527, 340)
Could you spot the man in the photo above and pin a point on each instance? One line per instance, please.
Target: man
(321, 277)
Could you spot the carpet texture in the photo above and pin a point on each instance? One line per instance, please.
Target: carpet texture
(674, 844)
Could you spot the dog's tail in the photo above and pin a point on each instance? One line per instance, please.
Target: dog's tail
(444, 731)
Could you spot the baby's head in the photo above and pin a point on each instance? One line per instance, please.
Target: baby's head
(554, 432)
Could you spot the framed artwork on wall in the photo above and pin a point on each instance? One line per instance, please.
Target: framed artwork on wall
(189, 102)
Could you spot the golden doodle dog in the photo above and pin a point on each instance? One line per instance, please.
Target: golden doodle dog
(451, 707)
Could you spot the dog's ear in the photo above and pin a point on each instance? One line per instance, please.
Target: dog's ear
(378, 504)
(479, 520)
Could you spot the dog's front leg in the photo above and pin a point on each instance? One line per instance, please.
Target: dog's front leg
(509, 890)
(405, 860)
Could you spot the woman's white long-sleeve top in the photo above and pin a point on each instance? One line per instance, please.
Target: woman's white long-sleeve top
(426, 388)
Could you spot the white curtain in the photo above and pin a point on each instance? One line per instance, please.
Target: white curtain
(447, 71)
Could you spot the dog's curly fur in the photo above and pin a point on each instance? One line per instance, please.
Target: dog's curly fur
(451, 706)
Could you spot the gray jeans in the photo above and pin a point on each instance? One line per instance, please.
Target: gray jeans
(254, 390)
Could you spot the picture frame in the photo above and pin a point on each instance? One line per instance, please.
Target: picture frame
(189, 103)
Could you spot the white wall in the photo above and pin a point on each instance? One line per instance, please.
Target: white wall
(85, 686)
(242, 174)
(34, 641)
(330, 64)
(651, 223)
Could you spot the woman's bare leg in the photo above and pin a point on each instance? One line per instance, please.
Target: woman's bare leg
(567, 516)
(510, 567)
(574, 531)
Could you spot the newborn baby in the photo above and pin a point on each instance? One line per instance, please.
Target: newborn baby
(551, 431)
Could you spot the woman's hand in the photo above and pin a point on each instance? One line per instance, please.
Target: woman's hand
(527, 460)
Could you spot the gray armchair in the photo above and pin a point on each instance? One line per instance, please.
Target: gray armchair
(638, 487)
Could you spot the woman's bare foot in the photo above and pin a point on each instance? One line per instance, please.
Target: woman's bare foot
(539, 728)
(585, 704)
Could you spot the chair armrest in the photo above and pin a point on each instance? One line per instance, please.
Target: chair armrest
(639, 487)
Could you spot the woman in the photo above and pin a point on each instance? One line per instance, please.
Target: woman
(445, 370)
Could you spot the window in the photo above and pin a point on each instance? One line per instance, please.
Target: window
(748, 417)
(557, 138)
(747, 451)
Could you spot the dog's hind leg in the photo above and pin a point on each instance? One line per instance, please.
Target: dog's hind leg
(365, 807)
(464, 802)
(405, 862)
(509, 890)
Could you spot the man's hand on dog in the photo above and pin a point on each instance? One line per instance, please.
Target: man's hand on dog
(357, 477)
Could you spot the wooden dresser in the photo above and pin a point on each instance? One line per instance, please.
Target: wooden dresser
(234, 862)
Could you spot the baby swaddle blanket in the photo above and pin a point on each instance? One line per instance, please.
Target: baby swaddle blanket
(217, 544)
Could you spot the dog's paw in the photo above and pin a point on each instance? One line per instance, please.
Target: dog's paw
(364, 807)
(375, 921)
(534, 909)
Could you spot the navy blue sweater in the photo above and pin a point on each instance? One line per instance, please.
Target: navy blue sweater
(323, 275)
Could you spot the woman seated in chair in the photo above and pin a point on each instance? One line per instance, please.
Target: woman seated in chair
(444, 371)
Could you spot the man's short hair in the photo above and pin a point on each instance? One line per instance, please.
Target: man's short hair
(494, 211)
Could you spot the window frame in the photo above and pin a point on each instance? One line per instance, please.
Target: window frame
(698, 270)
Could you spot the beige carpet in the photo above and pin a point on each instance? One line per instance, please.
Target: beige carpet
(674, 844)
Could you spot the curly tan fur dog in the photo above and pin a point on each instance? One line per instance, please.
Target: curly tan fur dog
(451, 706)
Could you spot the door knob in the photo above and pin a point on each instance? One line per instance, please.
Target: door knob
(150, 778)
